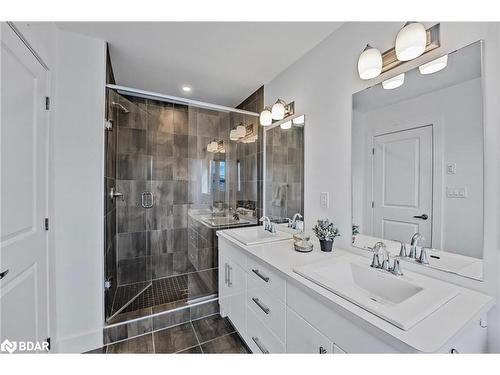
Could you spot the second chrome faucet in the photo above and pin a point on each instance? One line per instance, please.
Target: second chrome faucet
(385, 264)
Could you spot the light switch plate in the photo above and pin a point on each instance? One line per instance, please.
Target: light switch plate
(451, 168)
(324, 199)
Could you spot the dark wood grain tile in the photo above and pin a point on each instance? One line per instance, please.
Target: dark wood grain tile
(229, 344)
(175, 339)
(211, 327)
(193, 350)
(141, 344)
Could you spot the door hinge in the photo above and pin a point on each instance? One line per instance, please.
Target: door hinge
(47, 103)
(107, 284)
(46, 223)
(48, 342)
(373, 204)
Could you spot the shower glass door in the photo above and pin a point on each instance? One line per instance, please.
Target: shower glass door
(132, 275)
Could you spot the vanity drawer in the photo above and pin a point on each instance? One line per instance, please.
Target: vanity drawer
(260, 338)
(270, 310)
(267, 278)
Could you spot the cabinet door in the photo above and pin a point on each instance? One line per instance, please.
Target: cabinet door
(301, 337)
(236, 282)
(224, 300)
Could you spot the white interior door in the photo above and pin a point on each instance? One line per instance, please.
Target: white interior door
(402, 184)
(23, 195)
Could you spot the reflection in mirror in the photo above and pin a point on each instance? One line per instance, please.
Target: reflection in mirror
(417, 163)
(284, 169)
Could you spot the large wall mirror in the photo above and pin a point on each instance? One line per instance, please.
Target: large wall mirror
(417, 162)
(284, 169)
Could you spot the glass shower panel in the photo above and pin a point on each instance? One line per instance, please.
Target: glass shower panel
(131, 186)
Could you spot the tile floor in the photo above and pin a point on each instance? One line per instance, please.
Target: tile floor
(212, 334)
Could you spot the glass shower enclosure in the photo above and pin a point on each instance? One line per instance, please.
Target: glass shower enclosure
(172, 179)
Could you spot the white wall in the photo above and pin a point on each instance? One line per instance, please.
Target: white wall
(456, 113)
(322, 84)
(76, 243)
(79, 207)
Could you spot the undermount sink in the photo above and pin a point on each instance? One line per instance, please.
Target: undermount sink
(223, 221)
(257, 235)
(400, 300)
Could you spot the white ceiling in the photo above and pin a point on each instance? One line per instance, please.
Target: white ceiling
(223, 62)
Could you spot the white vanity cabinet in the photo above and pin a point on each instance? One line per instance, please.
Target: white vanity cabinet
(303, 337)
(276, 313)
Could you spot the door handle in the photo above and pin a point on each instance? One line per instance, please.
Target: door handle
(143, 199)
(3, 274)
(423, 217)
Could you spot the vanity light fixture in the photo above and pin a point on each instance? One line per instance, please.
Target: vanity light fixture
(394, 82)
(278, 110)
(241, 131)
(212, 146)
(411, 41)
(369, 63)
(233, 136)
(434, 65)
(298, 120)
(266, 117)
(286, 125)
(186, 88)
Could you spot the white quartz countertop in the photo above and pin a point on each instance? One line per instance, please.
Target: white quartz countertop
(428, 336)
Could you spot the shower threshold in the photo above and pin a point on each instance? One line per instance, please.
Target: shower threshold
(160, 295)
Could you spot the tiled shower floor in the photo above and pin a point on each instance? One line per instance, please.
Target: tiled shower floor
(161, 294)
(212, 334)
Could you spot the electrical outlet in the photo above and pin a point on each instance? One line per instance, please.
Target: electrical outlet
(324, 199)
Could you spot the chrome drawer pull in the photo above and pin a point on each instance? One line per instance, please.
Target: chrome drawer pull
(260, 346)
(262, 307)
(229, 282)
(265, 278)
(225, 273)
(3, 274)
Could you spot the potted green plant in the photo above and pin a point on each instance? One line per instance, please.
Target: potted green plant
(326, 232)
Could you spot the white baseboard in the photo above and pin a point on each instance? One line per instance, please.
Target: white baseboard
(79, 343)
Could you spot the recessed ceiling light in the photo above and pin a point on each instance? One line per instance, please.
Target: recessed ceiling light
(186, 88)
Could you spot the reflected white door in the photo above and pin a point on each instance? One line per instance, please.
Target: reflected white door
(23, 174)
(402, 184)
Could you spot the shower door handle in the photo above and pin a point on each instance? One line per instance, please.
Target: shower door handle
(144, 199)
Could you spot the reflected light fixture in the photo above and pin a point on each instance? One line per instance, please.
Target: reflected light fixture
(212, 146)
(233, 136)
(278, 110)
(241, 131)
(394, 82)
(369, 63)
(434, 65)
(186, 88)
(286, 125)
(298, 120)
(266, 118)
(411, 41)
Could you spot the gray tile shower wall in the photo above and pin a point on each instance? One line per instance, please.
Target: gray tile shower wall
(285, 171)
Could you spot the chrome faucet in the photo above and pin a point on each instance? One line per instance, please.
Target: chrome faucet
(385, 264)
(268, 226)
(415, 240)
(294, 223)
